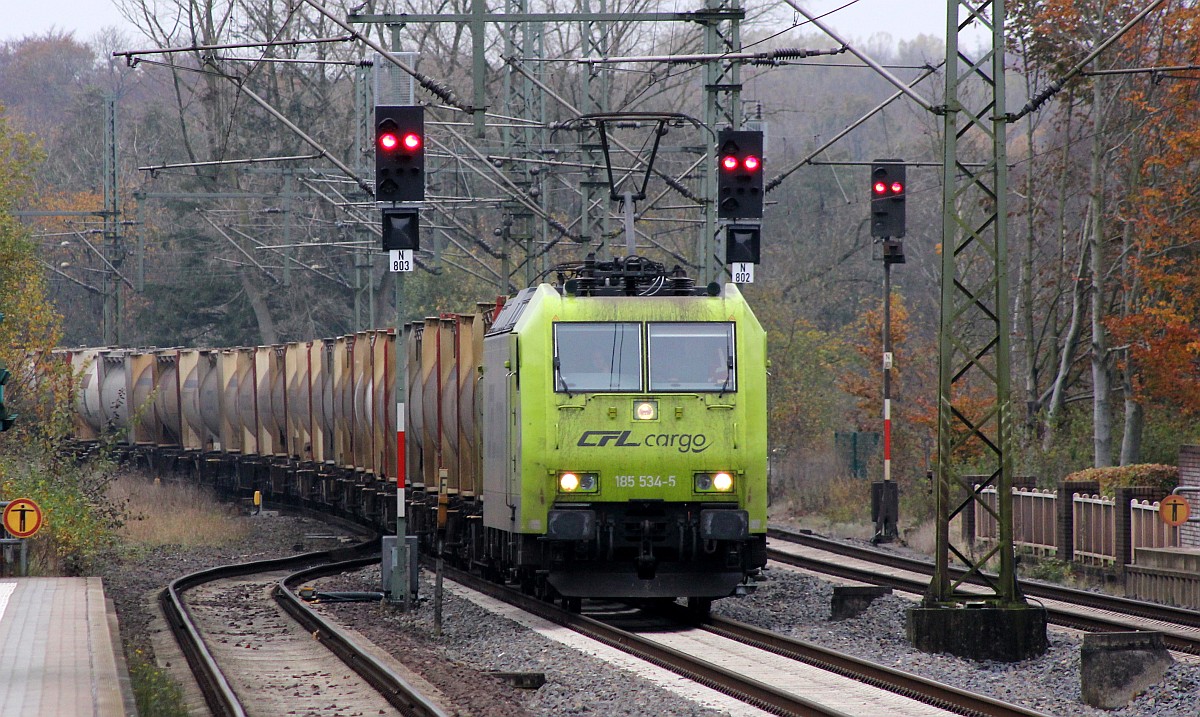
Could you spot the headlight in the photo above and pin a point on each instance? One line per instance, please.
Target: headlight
(645, 411)
(718, 482)
(572, 482)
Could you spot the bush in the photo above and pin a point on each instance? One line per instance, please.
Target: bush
(156, 693)
(80, 521)
(1152, 475)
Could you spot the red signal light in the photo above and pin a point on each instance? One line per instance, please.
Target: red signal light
(880, 188)
(751, 163)
(729, 162)
(412, 141)
(389, 141)
(897, 187)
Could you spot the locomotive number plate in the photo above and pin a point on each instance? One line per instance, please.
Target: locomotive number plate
(651, 481)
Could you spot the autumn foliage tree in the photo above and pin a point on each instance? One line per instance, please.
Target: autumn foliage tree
(1160, 324)
(913, 387)
(79, 517)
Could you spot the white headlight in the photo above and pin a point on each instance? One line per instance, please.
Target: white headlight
(568, 482)
(722, 481)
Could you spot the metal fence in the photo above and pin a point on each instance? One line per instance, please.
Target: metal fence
(1094, 521)
(1033, 518)
(1147, 530)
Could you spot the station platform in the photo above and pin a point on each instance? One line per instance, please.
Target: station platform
(60, 651)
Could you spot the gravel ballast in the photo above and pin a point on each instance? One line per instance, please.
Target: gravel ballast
(788, 602)
(474, 641)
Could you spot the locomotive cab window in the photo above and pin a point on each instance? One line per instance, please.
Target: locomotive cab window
(691, 357)
(597, 357)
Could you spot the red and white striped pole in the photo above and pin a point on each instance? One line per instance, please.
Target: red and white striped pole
(885, 496)
(401, 463)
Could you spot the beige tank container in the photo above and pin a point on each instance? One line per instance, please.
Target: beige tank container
(244, 427)
(168, 427)
(115, 390)
(383, 366)
(470, 357)
(327, 383)
(89, 421)
(229, 420)
(448, 405)
(414, 406)
(431, 443)
(272, 399)
(139, 368)
(196, 389)
(362, 438)
(342, 407)
(299, 401)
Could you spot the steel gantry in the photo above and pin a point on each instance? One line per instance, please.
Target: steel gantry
(527, 223)
(975, 413)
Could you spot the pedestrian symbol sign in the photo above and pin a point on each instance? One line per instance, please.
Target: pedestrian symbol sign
(22, 518)
(1174, 510)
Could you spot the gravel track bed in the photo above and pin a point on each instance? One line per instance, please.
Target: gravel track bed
(272, 663)
(132, 576)
(474, 641)
(787, 602)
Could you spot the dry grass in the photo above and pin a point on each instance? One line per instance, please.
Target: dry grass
(174, 514)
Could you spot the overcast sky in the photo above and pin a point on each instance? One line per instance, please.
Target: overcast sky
(902, 19)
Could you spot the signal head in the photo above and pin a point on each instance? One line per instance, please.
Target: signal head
(739, 175)
(888, 180)
(399, 153)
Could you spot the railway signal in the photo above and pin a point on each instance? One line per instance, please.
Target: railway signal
(739, 174)
(401, 229)
(399, 153)
(888, 188)
(742, 243)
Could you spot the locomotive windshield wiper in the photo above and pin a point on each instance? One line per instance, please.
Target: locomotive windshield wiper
(728, 373)
(558, 375)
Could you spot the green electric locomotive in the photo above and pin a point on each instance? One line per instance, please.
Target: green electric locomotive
(623, 442)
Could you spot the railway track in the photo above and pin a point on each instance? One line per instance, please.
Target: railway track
(1067, 607)
(222, 617)
(774, 673)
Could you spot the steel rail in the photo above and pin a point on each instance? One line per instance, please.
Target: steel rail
(218, 693)
(394, 688)
(1181, 617)
(903, 683)
(748, 690)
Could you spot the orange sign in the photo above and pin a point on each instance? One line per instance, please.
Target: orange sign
(1174, 510)
(22, 518)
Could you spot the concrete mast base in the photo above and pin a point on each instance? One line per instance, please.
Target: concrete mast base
(980, 632)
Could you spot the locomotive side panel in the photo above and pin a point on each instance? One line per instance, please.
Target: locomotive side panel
(501, 498)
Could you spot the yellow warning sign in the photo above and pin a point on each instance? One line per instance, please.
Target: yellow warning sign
(1174, 510)
(22, 518)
